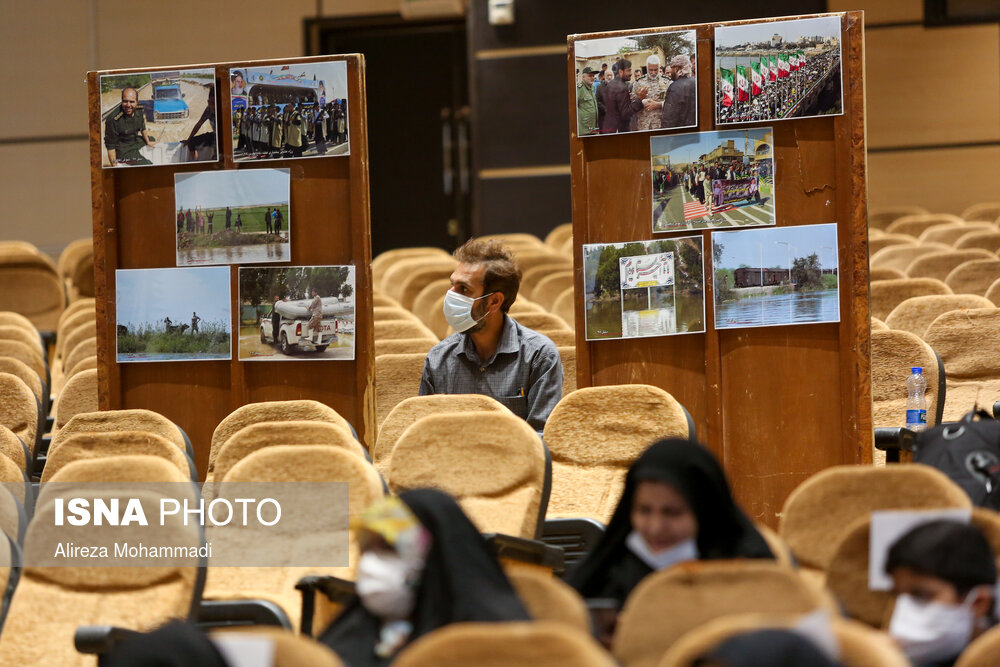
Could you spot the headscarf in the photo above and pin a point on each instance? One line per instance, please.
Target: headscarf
(724, 531)
(775, 648)
(462, 582)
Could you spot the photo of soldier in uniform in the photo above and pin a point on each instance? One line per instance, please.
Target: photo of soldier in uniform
(712, 179)
(234, 216)
(289, 111)
(636, 83)
(297, 313)
(157, 118)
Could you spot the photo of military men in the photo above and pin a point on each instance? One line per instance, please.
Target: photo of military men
(156, 118)
(289, 111)
(636, 83)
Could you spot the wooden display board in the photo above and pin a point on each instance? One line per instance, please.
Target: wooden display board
(133, 212)
(775, 404)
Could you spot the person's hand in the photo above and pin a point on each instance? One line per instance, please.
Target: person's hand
(642, 92)
(151, 143)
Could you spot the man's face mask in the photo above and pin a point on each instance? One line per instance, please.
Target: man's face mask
(458, 310)
(932, 631)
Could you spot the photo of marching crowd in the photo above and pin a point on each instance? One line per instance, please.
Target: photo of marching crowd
(712, 179)
(780, 70)
(636, 83)
(289, 111)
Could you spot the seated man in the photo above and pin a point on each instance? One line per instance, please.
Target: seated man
(492, 354)
(944, 574)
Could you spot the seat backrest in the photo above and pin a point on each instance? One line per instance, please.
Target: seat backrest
(885, 274)
(421, 345)
(18, 409)
(529, 258)
(423, 303)
(939, 264)
(79, 395)
(964, 339)
(380, 299)
(894, 353)
(383, 261)
(542, 321)
(75, 308)
(847, 576)
(974, 277)
(31, 286)
(433, 315)
(82, 279)
(271, 411)
(23, 371)
(988, 211)
(10, 318)
(72, 322)
(407, 328)
(532, 276)
(392, 313)
(988, 239)
(670, 603)
(887, 294)
(82, 365)
(12, 447)
(515, 238)
(416, 280)
(72, 254)
(270, 434)
(559, 337)
(27, 336)
(993, 293)
(285, 648)
(24, 353)
(492, 463)
(882, 217)
(557, 237)
(914, 225)
(565, 307)
(593, 440)
(397, 377)
(878, 325)
(899, 256)
(396, 275)
(548, 598)
(951, 232)
(113, 444)
(916, 314)
(816, 514)
(411, 409)
(524, 305)
(106, 421)
(550, 287)
(567, 353)
(887, 240)
(82, 350)
(504, 645)
(983, 651)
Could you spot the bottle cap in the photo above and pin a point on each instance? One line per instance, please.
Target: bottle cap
(916, 369)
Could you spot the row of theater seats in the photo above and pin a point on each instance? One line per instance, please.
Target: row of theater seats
(38, 288)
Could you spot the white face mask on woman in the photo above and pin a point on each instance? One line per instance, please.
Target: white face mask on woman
(932, 631)
(458, 310)
(384, 585)
(686, 550)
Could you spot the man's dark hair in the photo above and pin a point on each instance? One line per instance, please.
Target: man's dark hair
(624, 64)
(955, 552)
(502, 271)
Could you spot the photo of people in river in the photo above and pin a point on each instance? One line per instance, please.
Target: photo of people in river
(778, 70)
(232, 217)
(644, 288)
(173, 314)
(712, 179)
(289, 111)
(636, 83)
(776, 276)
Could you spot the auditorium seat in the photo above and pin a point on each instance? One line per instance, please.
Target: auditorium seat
(30, 285)
(115, 444)
(431, 267)
(10, 318)
(963, 341)
(939, 264)
(531, 277)
(12, 447)
(110, 421)
(882, 217)
(561, 233)
(548, 598)
(561, 337)
(549, 288)
(515, 239)
(527, 259)
(383, 261)
(988, 240)
(950, 233)
(421, 345)
(974, 277)
(899, 257)
(15, 480)
(988, 211)
(13, 518)
(567, 354)
(914, 225)
(889, 240)
(379, 299)
(567, 248)
(858, 644)
(270, 434)
(83, 321)
(878, 325)
(565, 307)
(492, 463)
(29, 337)
(412, 409)
(887, 294)
(415, 281)
(284, 648)
(84, 364)
(27, 374)
(510, 644)
(408, 328)
(917, 313)
(85, 348)
(993, 293)
(429, 307)
(81, 281)
(523, 305)
(381, 313)
(885, 274)
(669, 603)
(982, 651)
(78, 395)
(27, 355)
(271, 411)
(593, 440)
(75, 308)
(397, 377)
(19, 409)
(819, 510)
(542, 322)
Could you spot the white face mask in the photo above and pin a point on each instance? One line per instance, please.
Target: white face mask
(458, 310)
(384, 585)
(931, 631)
(686, 550)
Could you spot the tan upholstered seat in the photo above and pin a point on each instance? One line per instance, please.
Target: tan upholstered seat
(81, 282)
(515, 238)
(27, 375)
(523, 305)
(269, 434)
(424, 303)
(939, 264)
(550, 287)
(492, 463)
(85, 320)
(567, 353)
(285, 648)
(916, 314)
(72, 254)
(985, 239)
(567, 249)
(413, 283)
(74, 309)
(392, 313)
(532, 276)
(817, 513)
(27, 336)
(899, 257)
(12, 447)
(565, 307)
(559, 337)
(894, 353)
(559, 234)
(13, 520)
(409, 410)
(18, 409)
(593, 442)
(85, 348)
(889, 240)
(542, 322)
(108, 421)
(405, 345)
(847, 577)
(396, 276)
(887, 294)
(988, 211)
(84, 364)
(79, 395)
(914, 225)
(24, 353)
(993, 293)
(13, 478)
(30, 285)
(974, 277)
(670, 603)
(271, 411)
(384, 261)
(983, 651)
(505, 645)
(10, 318)
(380, 299)
(83, 446)
(434, 318)
(548, 598)
(964, 395)
(973, 367)
(885, 274)
(859, 645)
(882, 217)
(397, 377)
(950, 233)
(527, 259)
(408, 328)
(878, 325)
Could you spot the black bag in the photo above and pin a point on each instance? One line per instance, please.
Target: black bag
(968, 452)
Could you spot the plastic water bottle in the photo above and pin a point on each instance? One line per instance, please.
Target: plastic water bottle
(916, 404)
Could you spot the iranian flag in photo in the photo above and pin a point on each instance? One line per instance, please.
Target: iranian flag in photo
(773, 69)
(793, 62)
(726, 83)
(802, 58)
(782, 65)
(756, 78)
(742, 85)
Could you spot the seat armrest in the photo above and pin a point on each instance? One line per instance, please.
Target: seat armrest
(340, 591)
(228, 613)
(99, 639)
(534, 552)
(894, 440)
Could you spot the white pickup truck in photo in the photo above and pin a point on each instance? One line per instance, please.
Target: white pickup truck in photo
(293, 327)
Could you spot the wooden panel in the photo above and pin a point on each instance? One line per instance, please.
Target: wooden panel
(133, 228)
(881, 11)
(913, 70)
(775, 404)
(941, 180)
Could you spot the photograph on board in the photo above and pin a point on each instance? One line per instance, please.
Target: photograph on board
(636, 83)
(289, 111)
(297, 313)
(173, 314)
(776, 276)
(778, 70)
(644, 288)
(232, 217)
(703, 180)
(157, 118)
